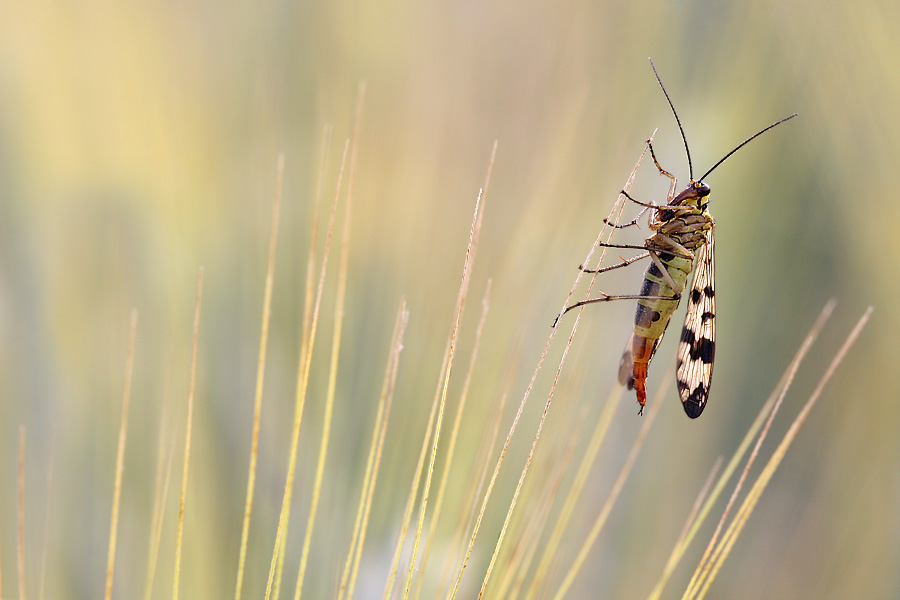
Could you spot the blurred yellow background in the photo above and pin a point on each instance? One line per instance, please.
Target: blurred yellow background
(139, 140)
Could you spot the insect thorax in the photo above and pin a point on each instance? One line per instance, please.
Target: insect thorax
(685, 225)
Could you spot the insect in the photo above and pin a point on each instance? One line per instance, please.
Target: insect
(683, 241)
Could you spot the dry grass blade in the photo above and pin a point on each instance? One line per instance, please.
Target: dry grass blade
(698, 502)
(474, 233)
(781, 392)
(616, 208)
(195, 337)
(614, 492)
(612, 217)
(161, 492)
(381, 420)
(49, 493)
(260, 376)
(778, 455)
(466, 520)
(20, 510)
(335, 351)
(581, 476)
(120, 456)
(375, 457)
(454, 435)
(460, 305)
(517, 566)
(309, 286)
(521, 408)
(417, 478)
(306, 349)
(785, 381)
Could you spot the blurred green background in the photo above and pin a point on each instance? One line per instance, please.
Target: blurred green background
(139, 141)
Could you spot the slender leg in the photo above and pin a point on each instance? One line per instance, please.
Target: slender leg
(639, 215)
(630, 223)
(663, 172)
(608, 298)
(665, 272)
(672, 247)
(654, 256)
(625, 262)
(664, 243)
(638, 202)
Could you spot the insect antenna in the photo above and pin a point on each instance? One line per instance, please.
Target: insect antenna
(747, 141)
(686, 149)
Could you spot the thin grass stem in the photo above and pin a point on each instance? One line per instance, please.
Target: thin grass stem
(306, 351)
(120, 456)
(260, 376)
(188, 430)
(775, 460)
(613, 494)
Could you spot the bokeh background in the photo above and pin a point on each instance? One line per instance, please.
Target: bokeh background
(138, 141)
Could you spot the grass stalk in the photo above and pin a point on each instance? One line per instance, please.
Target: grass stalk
(385, 404)
(417, 478)
(518, 566)
(46, 535)
(779, 398)
(335, 349)
(466, 521)
(382, 413)
(614, 493)
(474, 234)
(120, 457)
(260, 376)
(20, 511)
(575, 490)
(724, 548)
(765, 410)
(547, 403)
(306, 352)
(454, 435)
(195, 337)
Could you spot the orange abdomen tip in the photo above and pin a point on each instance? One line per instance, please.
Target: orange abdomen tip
(640, 383)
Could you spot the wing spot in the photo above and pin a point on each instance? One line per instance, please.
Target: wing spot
(696, 402)
(703, 349)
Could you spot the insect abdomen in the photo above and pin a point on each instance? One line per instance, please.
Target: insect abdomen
(652, 315)
(651, 319)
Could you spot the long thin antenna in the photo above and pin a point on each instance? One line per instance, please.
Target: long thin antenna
(744, 143)
(686, 149)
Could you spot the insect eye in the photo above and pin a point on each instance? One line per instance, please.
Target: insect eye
(702, 189)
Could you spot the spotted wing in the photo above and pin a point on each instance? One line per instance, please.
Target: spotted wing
(697, 348)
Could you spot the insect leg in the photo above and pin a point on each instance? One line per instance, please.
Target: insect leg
(676, 249)
(608, 298)
(625, 262)
(638, 217)
(676, 210)
(664, 243)
(665, 273)
(663, 172)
